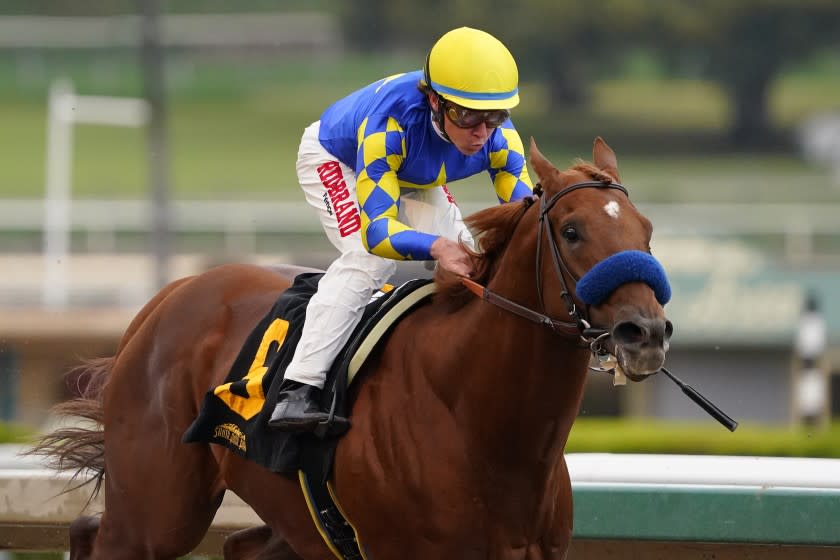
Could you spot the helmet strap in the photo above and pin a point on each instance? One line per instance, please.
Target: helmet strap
(437, 115)
(438, 118)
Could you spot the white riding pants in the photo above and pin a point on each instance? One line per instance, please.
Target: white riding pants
(347, 286)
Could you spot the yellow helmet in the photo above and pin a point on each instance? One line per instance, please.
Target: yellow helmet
(473, 69)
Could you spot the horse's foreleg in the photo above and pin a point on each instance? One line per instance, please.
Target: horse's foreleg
(82, 533)
(257, 543)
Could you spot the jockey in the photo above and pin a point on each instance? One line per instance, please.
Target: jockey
(375, 168)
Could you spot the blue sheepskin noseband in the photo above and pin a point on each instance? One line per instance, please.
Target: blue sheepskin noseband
(627, 266)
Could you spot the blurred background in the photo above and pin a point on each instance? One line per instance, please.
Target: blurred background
(142, 141)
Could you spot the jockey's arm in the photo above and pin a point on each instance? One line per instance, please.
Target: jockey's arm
(507, 165)
(381, 153)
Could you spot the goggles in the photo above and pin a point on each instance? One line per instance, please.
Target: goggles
(469, 118)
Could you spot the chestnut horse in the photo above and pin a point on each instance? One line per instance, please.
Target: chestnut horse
(459, 420)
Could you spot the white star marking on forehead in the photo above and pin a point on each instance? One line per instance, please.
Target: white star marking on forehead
(611, 208)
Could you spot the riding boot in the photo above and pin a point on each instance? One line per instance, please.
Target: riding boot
(298, 410)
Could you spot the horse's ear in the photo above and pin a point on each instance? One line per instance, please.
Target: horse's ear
(604, 158)
(542, 167)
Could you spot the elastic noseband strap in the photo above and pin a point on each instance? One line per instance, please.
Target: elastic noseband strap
(621, 268)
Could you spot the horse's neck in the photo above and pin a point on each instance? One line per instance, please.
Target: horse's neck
(514, 388)
(520, 399)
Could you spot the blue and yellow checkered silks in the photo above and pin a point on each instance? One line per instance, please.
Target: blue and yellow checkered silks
(507, 165)
(384, 132)
(380, 155)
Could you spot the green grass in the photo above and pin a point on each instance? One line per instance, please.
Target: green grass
(247, 147)
(707, 438)
(234, 131)
(696, 105)
(11, 433)
(663, 104)
(798, 97)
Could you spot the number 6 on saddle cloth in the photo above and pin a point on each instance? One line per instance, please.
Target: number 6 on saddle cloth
(235, 414)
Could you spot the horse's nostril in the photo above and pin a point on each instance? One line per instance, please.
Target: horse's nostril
(669, 329)
(628, 332)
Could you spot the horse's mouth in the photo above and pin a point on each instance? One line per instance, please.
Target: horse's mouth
(638, 376)
(638, 366)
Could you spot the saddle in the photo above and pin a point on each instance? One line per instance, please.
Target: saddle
(235, 414)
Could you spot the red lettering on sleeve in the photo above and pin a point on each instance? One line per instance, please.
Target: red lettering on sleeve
(346, 211)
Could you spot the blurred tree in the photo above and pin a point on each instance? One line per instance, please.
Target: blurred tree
(117, 7)
(381, 24)
(76, 8)
(569, 42)
(742, 45)
(377, 24)
(365, 24)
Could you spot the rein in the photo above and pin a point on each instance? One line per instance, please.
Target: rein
(579, 326)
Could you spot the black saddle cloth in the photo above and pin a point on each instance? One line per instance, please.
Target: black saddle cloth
(236, 413)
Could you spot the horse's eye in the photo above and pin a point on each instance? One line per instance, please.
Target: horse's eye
(570, 233)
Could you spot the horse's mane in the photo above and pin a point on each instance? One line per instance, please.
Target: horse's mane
(493, 228)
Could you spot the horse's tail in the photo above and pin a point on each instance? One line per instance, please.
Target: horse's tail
(80, 447)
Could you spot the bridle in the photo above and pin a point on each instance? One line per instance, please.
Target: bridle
(579, 327)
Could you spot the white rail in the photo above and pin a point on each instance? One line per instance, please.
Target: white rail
(66, 109)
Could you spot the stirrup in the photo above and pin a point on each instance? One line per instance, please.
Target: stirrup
(334, 425)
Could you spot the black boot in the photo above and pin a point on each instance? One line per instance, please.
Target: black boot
(298, 410)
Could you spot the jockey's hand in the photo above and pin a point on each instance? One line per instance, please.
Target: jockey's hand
(452, 257)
